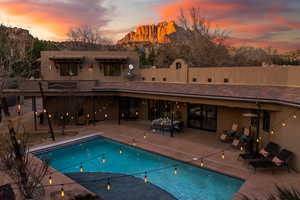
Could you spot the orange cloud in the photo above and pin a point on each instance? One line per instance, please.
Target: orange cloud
(57, 17)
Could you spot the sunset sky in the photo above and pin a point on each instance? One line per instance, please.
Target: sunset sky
(261, 23)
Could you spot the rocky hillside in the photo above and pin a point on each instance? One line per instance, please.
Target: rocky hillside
(154, 33)
(17, 40)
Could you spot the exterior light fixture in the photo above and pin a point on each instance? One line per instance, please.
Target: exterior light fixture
(103, 160)
(145, 136)
(272, 132)
(44, 110)
(50, 180)
(120, 150)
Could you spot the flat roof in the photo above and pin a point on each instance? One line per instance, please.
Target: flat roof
(269, 94)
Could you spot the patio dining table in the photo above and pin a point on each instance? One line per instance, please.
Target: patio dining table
(165, 125)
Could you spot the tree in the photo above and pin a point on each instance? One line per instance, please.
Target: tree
(26, 173)
(86, 37)
(196, 42)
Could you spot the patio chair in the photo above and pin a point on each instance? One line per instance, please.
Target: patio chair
(228, 135)
(281, 160)
(242, 139)
(265, 153)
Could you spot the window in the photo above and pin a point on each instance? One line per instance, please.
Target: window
(178, 65)
(209, 80)
(194, 79)
(226, 80)
(266, 121)
(112, 69)
(164, 79)
(68, 69)
(153, 78)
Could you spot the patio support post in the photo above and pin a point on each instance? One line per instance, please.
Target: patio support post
(257, 128)
(119, 113)
(94, 110)
(34, 112)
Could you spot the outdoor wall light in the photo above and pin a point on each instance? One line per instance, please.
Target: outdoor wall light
(50, 180)
(108, 186)
(175, 171)
(223, 155)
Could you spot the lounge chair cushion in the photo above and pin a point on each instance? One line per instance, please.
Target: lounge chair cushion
(230, 133)
(235, 142)
(277, 161)
(264, 153)
(223, 137)
(243, 138)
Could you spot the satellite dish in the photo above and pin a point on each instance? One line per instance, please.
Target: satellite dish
(131, 67)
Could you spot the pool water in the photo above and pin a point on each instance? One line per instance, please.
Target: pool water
(190, 182)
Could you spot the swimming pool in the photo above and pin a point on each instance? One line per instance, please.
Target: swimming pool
(104, 155)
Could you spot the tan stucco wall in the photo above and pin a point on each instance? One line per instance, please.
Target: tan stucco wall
(50, 72)
(268, 75)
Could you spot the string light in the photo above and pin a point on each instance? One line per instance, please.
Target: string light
(145, 178)
(272, 132)
(61, 117)
(120, 151)
(67, 114)
(50, 116)
(81, 168)
(295, 116)
(283, 124)
(35, 113)
(62, 191)
(175, 171)
(44, 110)
(103, 160)
(88, 115)
(18, 107)
(136, 113)
(257, 140)
(108, 186)
(145, 136)
(223, 155)
(105, 116)
(133, 142)
(242, 148)
(50, 180)
(202, 163)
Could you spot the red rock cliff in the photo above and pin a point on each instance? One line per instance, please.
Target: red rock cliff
(157, 33)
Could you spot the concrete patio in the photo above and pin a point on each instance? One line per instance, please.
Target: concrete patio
(184, 146)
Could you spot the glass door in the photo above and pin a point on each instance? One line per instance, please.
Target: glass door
(202, 117)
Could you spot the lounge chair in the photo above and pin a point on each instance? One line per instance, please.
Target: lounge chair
(266, 153)
(281, 160)
(229, 135)
(242, 139)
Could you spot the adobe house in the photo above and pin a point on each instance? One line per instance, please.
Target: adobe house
(90, 86)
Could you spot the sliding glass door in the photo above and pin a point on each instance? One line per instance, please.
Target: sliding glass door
(202, 117)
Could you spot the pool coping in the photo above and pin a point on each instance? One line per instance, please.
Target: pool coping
(56, 145)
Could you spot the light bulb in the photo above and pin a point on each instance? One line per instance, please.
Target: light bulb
(81, 168)
(145, 136)
(175, 171)
(242, 148)
(120, 151)
(88, 115)
(257, 140)
(223, 155)
(50, 180)
(67, 114)
(62, 191)
(106, 116)
(145, 178)
(44, 110)
(284, 124)
(103, 160)
(136, 113)
(201, 163)
(272, 132)
(295, 116)
(50, 116)
(108, 186)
